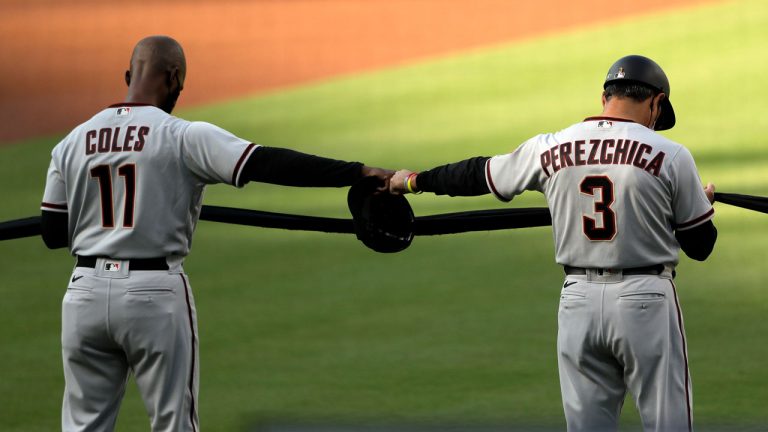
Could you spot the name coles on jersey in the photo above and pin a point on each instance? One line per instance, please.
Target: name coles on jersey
(107, 140)
(601, 152)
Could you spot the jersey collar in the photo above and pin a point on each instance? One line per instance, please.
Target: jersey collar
(128, 104)
(609, 118)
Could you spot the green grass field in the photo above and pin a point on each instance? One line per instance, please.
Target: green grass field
(310, 327)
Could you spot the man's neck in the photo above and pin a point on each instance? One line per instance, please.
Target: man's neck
(638, 112)
(145, 92)
(140, 98)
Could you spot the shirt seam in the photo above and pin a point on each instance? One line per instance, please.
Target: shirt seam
(693, 223)
(491, 185)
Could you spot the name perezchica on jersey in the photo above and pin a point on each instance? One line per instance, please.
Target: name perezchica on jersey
(108, 140)
(601, 152)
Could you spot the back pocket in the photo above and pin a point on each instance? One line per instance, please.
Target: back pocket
(643, 296)
(155, 290)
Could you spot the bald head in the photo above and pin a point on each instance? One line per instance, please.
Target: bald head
(157, 72)
(158, 54)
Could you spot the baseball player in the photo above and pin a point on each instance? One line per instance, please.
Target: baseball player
(623, 200)
(124, 192)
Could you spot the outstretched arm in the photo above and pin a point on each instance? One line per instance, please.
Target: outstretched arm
(465, 178)
(291, 168)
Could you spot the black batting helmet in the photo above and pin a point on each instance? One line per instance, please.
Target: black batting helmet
(645, 71)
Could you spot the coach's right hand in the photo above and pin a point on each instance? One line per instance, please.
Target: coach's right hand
(381, 173)
(710, 191)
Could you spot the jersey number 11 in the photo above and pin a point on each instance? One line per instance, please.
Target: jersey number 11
(103, 174)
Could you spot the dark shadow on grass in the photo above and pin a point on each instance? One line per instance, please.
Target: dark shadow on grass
(275, 425)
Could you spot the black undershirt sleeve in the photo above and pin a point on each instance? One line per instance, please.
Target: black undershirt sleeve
(699, 241)
(54, 228)
(465, 178)
(291, 168)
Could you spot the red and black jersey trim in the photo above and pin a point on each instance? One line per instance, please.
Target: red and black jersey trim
(240, 163)
(693, 222)
(51, 206)
(129, 104)
(492, 186)
(616, 119)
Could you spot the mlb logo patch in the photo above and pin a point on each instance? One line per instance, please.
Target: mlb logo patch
(111, 266)
(123, 111)
(604, 124)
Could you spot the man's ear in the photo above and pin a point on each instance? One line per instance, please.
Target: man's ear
(172, 76)
(604, 99)
(128, 78)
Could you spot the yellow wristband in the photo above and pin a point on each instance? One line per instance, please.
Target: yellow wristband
(408, 184)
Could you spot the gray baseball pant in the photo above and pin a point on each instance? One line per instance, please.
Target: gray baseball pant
(115, 323)
(621, 333)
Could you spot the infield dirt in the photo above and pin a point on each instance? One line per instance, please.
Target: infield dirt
(63, 61)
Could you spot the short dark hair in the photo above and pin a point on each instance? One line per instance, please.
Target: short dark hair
(630, 89)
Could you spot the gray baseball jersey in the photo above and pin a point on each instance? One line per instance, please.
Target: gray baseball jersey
(131, 180)
(617, 191)
(134, 176)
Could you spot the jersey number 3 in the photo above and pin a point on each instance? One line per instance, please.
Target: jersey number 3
(103, 174)
(607, 230)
